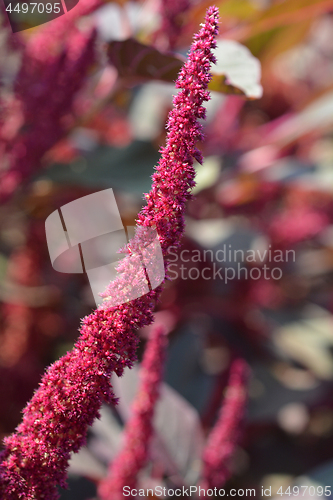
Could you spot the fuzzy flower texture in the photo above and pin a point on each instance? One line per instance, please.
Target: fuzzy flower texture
(56, 420)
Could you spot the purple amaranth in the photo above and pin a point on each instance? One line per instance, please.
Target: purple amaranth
(224, 437)
(44, 95)
(139, 428)
(175, 174)
(172, 12)
(56, 420)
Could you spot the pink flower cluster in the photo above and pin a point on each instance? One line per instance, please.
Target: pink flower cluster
(224, 436)
(174, 175)
(139, 428)
(56, 420)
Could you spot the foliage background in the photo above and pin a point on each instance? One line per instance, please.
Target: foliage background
(85, 110)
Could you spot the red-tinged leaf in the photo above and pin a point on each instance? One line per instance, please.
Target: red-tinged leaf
(138, 61)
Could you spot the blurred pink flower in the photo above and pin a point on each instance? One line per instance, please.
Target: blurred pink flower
(35, 117)
(224, 437)
(139, 428)
(172, 12)
(297, 224)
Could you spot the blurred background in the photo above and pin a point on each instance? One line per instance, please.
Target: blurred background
(84, 100)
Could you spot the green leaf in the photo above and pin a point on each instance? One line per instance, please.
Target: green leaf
(281, 14)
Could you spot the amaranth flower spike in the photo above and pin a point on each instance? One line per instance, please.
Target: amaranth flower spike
(56, 420)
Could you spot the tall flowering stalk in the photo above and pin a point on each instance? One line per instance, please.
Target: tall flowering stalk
(139, 428)
(175, 174)
(56, 420)
(224, 436)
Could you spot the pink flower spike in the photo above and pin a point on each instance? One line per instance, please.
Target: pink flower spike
(139, 428)
(224, 437)
(56, 420)
(174, 176)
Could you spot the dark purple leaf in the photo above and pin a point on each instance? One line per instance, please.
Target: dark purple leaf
(135, 60)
